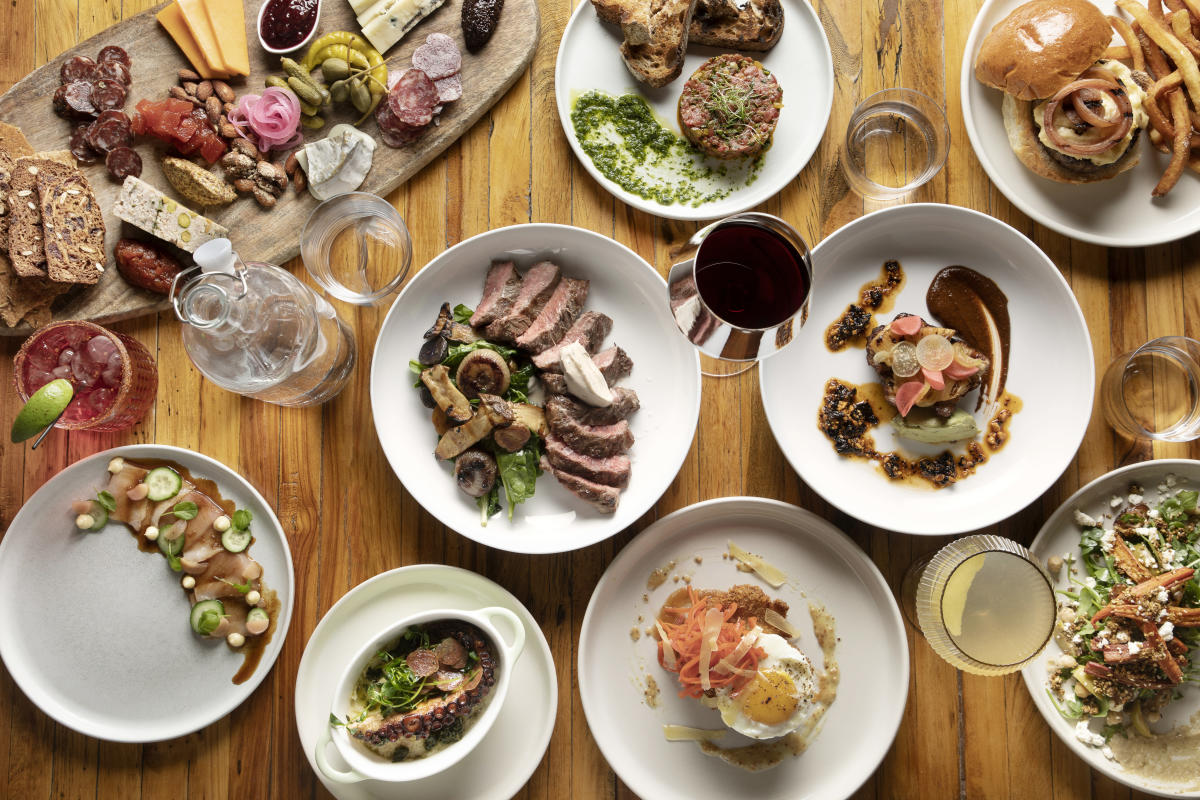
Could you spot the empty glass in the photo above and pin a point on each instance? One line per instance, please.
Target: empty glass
(1153, 392)
(897, 139)
(356, 247)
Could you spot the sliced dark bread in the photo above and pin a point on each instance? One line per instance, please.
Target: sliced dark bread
(26, 245)
(632, 15)
(659, 61)
(756, 26)
(6, 168)
(25, 299)
(73, 227)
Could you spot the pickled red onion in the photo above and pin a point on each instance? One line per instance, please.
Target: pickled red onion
(273, 119)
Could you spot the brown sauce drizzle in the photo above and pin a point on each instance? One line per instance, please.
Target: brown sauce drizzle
(858, 319)
(961, 298)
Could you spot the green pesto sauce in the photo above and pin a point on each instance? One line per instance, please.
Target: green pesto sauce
(630, 147)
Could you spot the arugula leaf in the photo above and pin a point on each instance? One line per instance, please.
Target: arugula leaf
(185, 510)
(459, 351)
(518, 385)
(107, 501)
(462, 314)
(241, 519)
(416, 368)
(519, 472)
(1071, 709)
(1187, 499)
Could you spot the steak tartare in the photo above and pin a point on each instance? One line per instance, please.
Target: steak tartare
(729, 107)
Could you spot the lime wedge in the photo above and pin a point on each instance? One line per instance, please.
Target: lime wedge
(42, 409)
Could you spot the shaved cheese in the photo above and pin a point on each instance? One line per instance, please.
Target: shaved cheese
(777, 620)
(668, 650)
(771, 574)
(729, 663)
(682, 733)
(713, 619)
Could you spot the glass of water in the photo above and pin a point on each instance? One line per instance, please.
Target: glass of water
(356, 247)
(896, 141)
(1153, 392)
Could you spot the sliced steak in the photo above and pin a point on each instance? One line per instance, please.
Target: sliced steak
(611, 471)
(625, 402)
(614, 364)
(600, 441)
(603, 498)
(536, 288)
(500, 289)
(556, 317)
(589, 330)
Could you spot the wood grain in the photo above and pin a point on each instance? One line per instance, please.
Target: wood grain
(257, 234)
(348, 518)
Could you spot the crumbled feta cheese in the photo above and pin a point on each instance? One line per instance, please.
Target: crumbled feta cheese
(1114, 501)
(1085, 734)
(1162, 614)
(1135, 498)
(1108, 753)
(1168, 554)
(1146, 557)
(1167, 631)
(1122, 636)
(1077, 639)
(1108, 540)
(1171, 480)
(1083, 520)
(1154, 514)
(1147, 531)
(1089, 582)
(1135, 648)
(1163, 596)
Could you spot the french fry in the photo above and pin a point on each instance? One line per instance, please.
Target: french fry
(1183, 58)
(1194, 7)
(1156, 63)
(1181, 24)
(1173, 5)
(1118, 52)
(1131, 41)
(1154, 7)
(1180, 149)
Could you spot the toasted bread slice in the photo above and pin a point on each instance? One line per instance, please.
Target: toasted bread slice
(72, 227)
(756, 26)
(25, 242)
(632, 15)
(13, 141)
(660, 61)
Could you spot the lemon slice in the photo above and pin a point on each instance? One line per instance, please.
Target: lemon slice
(42, 409)
(954, 599)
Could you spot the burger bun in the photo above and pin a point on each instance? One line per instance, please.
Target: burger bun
(1023, 139)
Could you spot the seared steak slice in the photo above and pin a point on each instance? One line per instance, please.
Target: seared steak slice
(536, 288)
(556, 316)
(500, 289)
(614, 364)
(603, 498)
(625, 402)
(600, 441)
(611, 471)
(589, 330)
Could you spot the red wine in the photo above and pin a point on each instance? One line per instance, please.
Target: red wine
(750, 276)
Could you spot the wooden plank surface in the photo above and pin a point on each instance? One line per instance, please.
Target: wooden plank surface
(961, 736)
(257, 234)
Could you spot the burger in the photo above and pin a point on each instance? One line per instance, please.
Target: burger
(1070, 115)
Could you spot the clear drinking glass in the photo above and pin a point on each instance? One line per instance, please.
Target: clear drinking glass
(356, 247)
(897, 139)
(1153, 392)
(983, 602)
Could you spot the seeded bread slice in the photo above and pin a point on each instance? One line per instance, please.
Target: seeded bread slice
(26, 299)
(25, 240)
(660, 61)
(6, 168)
(73, 227)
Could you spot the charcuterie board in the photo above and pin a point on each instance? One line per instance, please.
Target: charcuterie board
(271, 235)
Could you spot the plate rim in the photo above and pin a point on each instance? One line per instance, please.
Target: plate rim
(447, 256)
(411, 570)
(1033, 675)
(246, 689)
(1084, 419)
(966, 79)
(829, 533)
(676, 211)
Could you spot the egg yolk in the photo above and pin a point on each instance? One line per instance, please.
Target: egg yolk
(770, 698)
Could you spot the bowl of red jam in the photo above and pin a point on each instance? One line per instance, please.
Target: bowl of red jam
(287, 25)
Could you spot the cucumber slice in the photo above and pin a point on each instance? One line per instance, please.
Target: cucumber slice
(234, 540)
(258, 614)
(100, 515)
(164, 483)
(170, 547)
(206, 616)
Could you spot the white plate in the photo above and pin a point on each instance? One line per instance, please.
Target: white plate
(1115, 213)
(589, 58)
(501, 764)
(666, 376)
(823, 566)
(95, 631)
(1060, 535)
(1050, 369)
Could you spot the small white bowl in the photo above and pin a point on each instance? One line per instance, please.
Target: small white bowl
(304, 43)
(366, 765)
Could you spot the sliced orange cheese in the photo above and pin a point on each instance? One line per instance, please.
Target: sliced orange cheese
(171, 18)
(196, 16)
(228, 21)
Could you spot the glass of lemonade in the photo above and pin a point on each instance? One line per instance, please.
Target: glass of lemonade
(984, 604)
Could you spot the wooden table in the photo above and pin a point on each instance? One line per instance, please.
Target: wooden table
(327, 476)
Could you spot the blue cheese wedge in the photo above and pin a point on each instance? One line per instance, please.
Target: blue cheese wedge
(145, 207)
(386, 22)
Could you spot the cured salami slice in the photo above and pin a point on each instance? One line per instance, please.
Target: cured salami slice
(123, 162)
(114, 53)
(108, 94)
(80, 148)
(111, 130)
(394, 132)
(74, 100)
(413, 97)
(114, 71)
(449, 89)
(79, 68)
(438, 57)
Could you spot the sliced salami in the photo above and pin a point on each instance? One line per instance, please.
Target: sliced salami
(438, 57)
(123, 162)
(74, 100)
(449, 89)
(108, 94)
(114, 53)
(394, 132)
(111, 130)
(413, 97)
(114, 71)
(80, 148)
(79, 68)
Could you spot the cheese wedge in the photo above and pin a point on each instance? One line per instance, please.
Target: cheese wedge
(171, 18)
(388, 26)
(227, 18)
(196, 16)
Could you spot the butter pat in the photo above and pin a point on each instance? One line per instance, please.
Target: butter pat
(584, 379)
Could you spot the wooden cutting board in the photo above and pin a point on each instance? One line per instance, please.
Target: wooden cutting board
(259, 234)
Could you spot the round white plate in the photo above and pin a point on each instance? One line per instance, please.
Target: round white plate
(1050, 369)
(589, 58)
(1115, 213)
(1060, 535)
(95, 631)
(666, 376)
(501, 764)
(823, 566)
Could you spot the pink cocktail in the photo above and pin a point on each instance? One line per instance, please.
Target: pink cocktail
(113, 375)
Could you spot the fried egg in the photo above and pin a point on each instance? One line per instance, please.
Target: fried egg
(777, 700)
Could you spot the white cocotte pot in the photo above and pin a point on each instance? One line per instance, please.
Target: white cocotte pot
(366, 765)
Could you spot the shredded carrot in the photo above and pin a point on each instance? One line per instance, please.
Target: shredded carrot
(686, 638)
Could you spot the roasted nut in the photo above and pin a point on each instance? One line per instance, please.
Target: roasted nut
(204, 90)
(243, 185)
(190, 88)
(271, 174)
(223, 91)
(212, 107)
(291, 165)
(179, 94)
(228, 107)
(264, 198)
(227, 130)
(188, 75)
(245, 147)
(299, 181)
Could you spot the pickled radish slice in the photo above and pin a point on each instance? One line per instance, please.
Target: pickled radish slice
(907, 326)
(957, 372)
(935, 352)
(904, 360)
(934, 378)
(908, 394)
